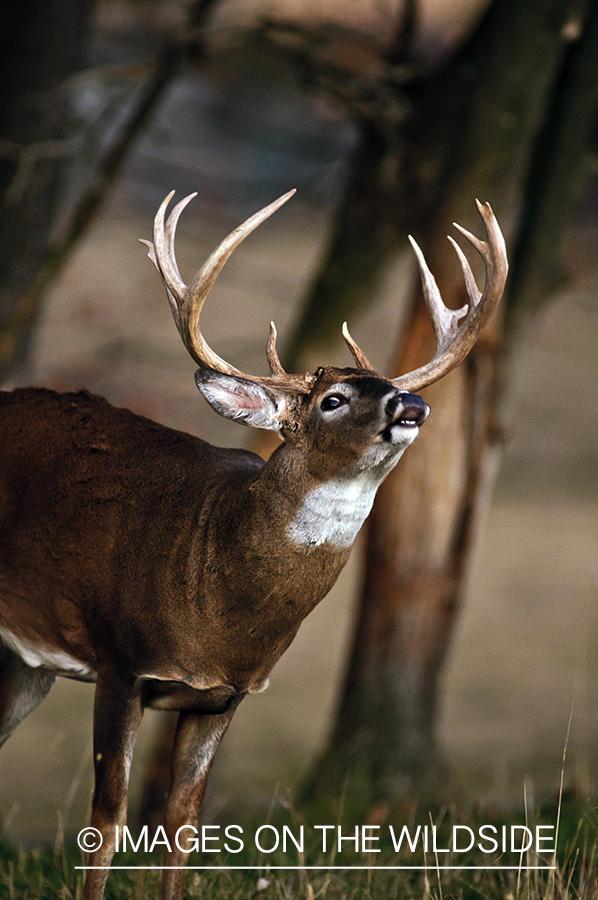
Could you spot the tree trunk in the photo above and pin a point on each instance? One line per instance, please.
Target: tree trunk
(480, 126)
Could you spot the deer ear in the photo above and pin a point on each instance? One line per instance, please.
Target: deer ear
(244, 401)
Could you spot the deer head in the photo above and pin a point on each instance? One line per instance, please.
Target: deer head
(279, 401)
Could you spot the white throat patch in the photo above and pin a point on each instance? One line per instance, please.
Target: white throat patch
(336, 510)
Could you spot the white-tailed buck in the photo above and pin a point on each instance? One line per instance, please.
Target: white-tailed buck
(172, 573)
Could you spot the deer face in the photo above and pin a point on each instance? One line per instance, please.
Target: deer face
(358, 420)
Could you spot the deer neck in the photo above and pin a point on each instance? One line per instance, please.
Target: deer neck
(323, 509)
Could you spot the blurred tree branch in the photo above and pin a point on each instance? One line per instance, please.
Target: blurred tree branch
(33, 147)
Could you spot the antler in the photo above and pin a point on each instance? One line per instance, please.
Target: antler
(456, 330)
(186, 301)
(454, 340)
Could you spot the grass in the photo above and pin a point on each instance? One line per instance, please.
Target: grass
(50, 875)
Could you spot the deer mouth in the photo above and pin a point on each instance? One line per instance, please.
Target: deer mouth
(411, 416)
(408, 413)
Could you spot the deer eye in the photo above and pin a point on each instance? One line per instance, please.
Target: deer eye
(333, 401)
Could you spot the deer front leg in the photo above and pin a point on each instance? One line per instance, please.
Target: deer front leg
(117, 714)
(197, 738)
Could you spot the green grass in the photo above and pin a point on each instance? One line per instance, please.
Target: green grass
(52, 876)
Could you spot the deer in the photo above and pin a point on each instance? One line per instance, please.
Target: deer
(174, 573)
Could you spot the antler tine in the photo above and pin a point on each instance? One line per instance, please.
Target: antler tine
(161, 253)
(272, 354)
(169, 231)
(473, 292)
(444, 320)
(187, 301)
(356, 351)
(455, 335)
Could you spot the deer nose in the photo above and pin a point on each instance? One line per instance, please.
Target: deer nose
(407, 408)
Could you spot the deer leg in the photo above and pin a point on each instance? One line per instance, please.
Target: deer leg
(117, 713)
(197, 738)
(22, 688)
